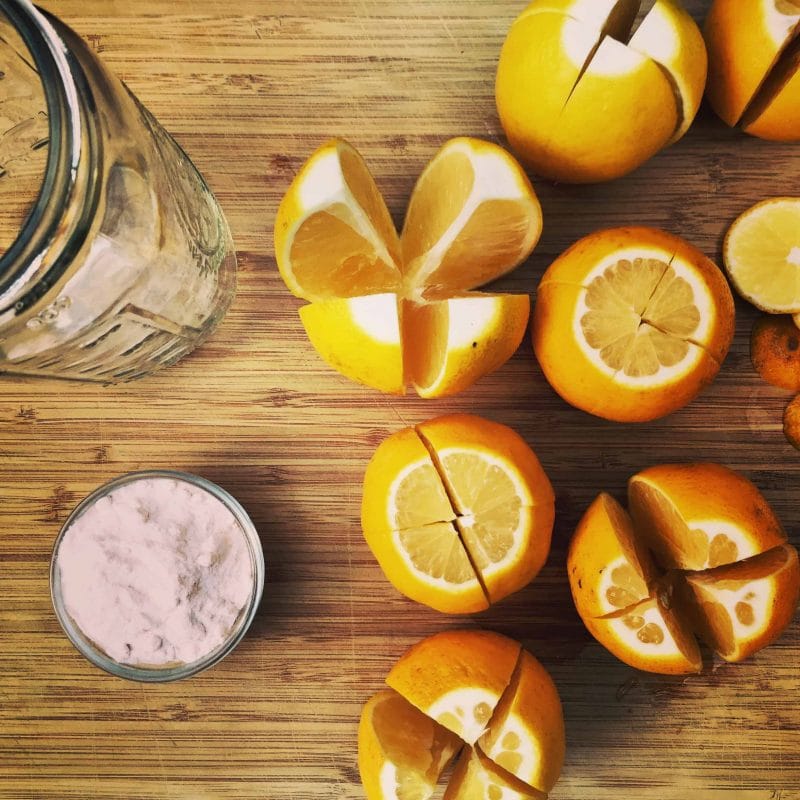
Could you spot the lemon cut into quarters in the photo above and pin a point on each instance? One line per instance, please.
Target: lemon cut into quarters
(725, 571)
(458, 512)
(631, 323)
(470, 691)
(762, 255)
(583, 100)
(388, 310)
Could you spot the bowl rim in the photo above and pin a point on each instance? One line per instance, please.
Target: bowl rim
(95, 655)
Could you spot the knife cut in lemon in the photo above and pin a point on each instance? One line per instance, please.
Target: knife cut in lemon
(401, 752)
(473, 216)
(458, 512)
(449, 344)
(631, 323)
(526, 733)
(754, 65)
(583, 99)
(740, 608)
(477, 777)
(359, 337)
(762, 255)
(457, 678)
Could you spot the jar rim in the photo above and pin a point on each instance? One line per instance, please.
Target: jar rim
(100, 659)
(22, 263)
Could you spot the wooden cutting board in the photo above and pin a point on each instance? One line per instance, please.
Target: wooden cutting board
(250, 88)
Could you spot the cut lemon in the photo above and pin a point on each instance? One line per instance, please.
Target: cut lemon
(762, 255)
(698, 516)
(359, 337)
(407, 520)
(526, 733)
(473, 216)
(754, 58)
(449, 344)
(727, 573)
(401, 752)
(504, 502)
(457, 678)
(741, 608)
(609, 567)
(476, 777)
(458, 512)
(631, 323)
(334, 236)
(582, 100)
(775, 351)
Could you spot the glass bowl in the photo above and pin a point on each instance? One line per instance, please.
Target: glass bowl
(172, 672)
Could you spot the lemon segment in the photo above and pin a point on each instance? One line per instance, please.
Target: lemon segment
(472, 217)
(334, 236)
(451, 344)
(360, 338)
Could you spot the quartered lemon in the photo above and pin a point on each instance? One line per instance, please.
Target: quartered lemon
(631, 323)
(458, 512)
(582, 99)
(702, 554)
(477, 777)
(401, 752)
(762, 255)
(754, 65)
(388, 310)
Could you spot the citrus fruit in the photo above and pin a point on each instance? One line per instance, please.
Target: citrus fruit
(334, 236)
(474, 688)
(526, 733)
(699, 516)
(582, 99)
(631, 323)
(791, 423)
(388, 311)
(449, 344)
(702, 554)
(477, 778)
(754, 59)
(775, 351)
(360, 337)
(762, 255)
(457, 678)
(741, 608)
(401, 752)
(458, 512)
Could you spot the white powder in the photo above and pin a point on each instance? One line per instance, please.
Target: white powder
(155, 572)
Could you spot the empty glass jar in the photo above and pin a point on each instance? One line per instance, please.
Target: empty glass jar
(115, 256)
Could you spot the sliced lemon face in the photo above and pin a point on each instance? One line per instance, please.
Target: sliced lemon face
(334, 236)
(436, 552)
(473, 216)
(762, 255)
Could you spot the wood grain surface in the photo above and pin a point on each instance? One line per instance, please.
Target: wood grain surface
(250, 88)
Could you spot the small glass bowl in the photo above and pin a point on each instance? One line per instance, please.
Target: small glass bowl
(176, 672)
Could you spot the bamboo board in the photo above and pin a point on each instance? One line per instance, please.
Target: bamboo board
(250, 89)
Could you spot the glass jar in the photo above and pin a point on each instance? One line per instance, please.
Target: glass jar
(118, 259)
